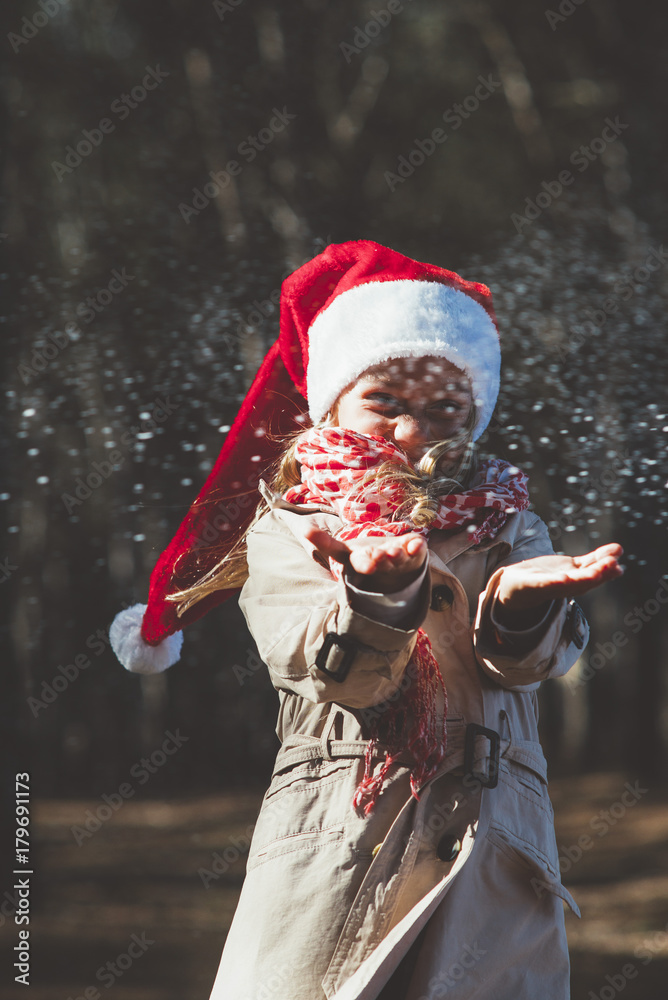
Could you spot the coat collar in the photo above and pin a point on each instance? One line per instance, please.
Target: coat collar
(446, 546)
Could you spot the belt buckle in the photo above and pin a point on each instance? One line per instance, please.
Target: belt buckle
(489, 780)
(349, 649)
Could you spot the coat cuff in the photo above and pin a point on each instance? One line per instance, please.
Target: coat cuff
(548, 650)
(373, 633)
(388, 609)
(519, 640)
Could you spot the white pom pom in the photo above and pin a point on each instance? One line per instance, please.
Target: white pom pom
(133, 651)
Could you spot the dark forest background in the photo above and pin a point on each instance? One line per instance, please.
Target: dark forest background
(129, 291)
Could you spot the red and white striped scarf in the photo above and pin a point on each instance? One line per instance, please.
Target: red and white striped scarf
(335, 463)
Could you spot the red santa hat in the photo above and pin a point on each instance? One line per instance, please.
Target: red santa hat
(355, 305)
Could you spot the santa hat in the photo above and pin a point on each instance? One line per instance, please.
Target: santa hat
(355, 305)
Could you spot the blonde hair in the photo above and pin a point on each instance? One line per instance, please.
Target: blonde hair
(423, 487)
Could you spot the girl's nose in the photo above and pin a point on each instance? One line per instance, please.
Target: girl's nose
(411, 435)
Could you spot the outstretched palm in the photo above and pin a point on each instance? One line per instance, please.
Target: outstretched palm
(382, 564)
(545, 578)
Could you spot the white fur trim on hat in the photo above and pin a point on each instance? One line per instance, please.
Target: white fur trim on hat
(379, 320)
(133, 651)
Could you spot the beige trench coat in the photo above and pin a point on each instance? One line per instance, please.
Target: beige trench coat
(332, 900)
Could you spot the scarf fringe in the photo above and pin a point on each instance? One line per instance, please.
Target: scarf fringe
(425, 740)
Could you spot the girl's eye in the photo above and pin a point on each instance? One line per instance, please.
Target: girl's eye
(447, 407)
(439, 410)
(384, 399)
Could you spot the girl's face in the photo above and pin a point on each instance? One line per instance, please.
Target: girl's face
(413, 402)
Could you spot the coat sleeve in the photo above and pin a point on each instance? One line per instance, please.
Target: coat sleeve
(520, 661)
(307, 632)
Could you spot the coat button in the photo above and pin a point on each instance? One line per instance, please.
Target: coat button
(441, 597)
(448, 847)
(375, 850)
(577, 626)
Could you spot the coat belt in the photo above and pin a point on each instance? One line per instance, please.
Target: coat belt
(300, 749)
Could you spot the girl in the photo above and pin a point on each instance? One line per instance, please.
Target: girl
(407, 604)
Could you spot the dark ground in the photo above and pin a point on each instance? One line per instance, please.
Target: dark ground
(138, 874)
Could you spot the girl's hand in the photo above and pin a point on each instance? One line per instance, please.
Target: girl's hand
(382, 565)
(535, 581)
